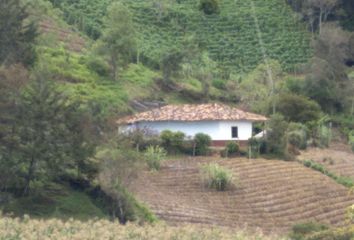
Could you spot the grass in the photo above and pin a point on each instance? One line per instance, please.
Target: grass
(58, 201)
(217, 177)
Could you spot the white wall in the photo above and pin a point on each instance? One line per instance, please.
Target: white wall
(217, 130)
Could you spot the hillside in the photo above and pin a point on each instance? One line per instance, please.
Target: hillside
(230, 37)
(338, 162)
(273, 195)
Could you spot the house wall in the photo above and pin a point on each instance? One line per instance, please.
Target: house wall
(217, 130)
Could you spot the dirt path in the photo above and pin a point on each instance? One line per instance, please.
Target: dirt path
(272, 195)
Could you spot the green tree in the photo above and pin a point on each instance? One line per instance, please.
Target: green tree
(118, 41)
(171, 64)
(296, 108)
(12, 80)
(48, 136)
(266, 90)
(276, 134)
(17, 34)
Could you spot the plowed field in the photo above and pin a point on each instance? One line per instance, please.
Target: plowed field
(272, 195)
(337, 161)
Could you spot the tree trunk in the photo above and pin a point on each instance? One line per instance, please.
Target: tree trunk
(29, 176)
(114, 67)
(320, 21)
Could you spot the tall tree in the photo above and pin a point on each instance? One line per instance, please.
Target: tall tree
(322, 8)
(118, 41)
(12, 80)
(327, 81)
(17, 34)
(49, 137)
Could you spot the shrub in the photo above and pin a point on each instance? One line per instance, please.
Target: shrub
(255, 147)
(324, 135)
(301, 230)
(202, 142)
(97, 65)
(219, 84)
(345, 181)
(231, 149)
(297, 135)
(217, 177)
(172, 141)
(333, 234)
(351, 139)
(209, 6)
(154, 156)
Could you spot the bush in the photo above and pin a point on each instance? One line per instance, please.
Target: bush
(333, 234)
(172, 141)
(217, 177)
(345, 181)
(140, 139)
(154, 156)
(324, 135)
(297, 135)
(202, 142)
(209, 6)
(219, 84)
(301, 230)
(351, 139)
(255, 145)
(98, 66)
(231, 149)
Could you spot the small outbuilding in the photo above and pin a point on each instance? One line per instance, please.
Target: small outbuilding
(221, 122)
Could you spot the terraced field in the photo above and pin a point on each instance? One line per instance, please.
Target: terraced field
(340, 162)
(230, 37)
(272, 195)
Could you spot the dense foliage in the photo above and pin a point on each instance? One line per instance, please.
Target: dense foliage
(17, 35)
(87, 15)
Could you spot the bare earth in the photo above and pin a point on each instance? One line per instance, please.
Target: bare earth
(272, 195)
(337, 159)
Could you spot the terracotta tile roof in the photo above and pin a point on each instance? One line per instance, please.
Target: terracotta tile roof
(192, 112)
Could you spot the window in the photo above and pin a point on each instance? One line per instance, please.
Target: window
(234, 132)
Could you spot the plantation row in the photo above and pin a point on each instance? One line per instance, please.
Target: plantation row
(271, 195)
(230, 37)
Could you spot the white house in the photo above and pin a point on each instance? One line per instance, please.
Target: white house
(221, 122)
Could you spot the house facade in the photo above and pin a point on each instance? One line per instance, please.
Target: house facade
(221, 122)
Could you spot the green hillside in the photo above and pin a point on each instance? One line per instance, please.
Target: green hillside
(230, 36)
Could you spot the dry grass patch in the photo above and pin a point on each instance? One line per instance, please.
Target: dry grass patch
(30, 229)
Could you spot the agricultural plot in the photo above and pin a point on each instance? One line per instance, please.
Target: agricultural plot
(230, 37)
(271, 195)
(336, 161)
